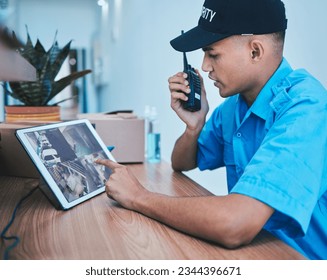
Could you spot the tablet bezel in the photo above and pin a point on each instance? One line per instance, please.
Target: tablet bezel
(62, 201)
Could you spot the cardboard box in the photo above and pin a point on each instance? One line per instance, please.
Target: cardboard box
(14, 160)
(124, 131)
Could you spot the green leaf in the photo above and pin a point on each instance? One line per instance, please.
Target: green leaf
(47, 64)
(58, 86)
(57, 59)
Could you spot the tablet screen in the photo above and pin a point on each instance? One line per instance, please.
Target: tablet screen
(64, 153)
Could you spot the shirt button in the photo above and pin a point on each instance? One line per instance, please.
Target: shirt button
(239, 134)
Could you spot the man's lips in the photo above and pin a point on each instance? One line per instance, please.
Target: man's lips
(211, 78)
(216, 82)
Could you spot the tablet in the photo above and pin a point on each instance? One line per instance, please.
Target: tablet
(64, 154)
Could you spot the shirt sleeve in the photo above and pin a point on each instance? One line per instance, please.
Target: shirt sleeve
(287, 170)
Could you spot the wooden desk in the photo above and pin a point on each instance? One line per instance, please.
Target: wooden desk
(101, 229)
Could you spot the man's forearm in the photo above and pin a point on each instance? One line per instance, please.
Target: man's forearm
(191, 215)
(185, 151)
(208, 217)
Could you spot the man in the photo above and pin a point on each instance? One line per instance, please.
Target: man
(270, 133)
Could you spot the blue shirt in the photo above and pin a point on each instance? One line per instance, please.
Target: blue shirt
(276, 152)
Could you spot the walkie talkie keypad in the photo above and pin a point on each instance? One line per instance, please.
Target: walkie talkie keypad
(194, 97)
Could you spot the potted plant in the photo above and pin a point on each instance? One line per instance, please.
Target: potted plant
(36, 95)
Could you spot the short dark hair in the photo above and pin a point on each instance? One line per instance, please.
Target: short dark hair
(279, 36)
(278, 39)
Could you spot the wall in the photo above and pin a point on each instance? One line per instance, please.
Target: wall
(306, 41)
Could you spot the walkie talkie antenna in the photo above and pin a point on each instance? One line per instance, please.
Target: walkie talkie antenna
(184, 57)
(193, 103)
(185, 61)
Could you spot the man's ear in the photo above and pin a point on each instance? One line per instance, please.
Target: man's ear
(257, 50)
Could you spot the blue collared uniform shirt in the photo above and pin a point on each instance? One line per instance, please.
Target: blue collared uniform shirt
(276, 152)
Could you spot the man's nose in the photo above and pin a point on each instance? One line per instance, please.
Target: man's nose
(206, 66)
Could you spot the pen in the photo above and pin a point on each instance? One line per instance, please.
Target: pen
(110, 148)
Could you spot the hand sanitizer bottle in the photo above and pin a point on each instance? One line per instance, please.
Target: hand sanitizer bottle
(147, 111)
(153, 138)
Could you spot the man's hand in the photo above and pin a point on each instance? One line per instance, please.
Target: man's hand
(122, 185)
(179, 89)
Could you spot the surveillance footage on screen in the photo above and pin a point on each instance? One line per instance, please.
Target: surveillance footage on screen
(68, 153)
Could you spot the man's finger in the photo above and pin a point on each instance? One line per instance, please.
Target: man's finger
(107, 162)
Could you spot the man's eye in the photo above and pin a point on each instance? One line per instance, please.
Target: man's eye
(213, 56)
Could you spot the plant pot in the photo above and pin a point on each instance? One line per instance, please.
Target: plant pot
(23, 113)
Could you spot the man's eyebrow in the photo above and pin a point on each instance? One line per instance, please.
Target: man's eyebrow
(206, 49)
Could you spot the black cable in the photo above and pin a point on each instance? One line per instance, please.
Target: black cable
(13, 237)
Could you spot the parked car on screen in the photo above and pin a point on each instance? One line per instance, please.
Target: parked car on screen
(50, 156)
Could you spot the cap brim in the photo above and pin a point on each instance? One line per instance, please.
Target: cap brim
(196, 38)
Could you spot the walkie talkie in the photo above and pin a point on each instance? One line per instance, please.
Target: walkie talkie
(194, 97)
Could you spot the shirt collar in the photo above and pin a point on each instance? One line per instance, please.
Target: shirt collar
(261, 106)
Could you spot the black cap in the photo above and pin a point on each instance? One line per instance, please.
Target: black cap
(223, 18)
